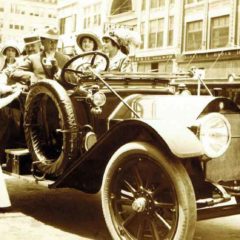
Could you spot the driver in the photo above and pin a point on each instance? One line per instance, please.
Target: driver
(88, 42)
(45, 64)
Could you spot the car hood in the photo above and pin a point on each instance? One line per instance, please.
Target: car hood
(175, 109)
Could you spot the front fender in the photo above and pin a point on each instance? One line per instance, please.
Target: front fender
(181, 141)
(87, 171)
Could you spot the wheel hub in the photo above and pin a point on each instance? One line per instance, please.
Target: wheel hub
(139, 204)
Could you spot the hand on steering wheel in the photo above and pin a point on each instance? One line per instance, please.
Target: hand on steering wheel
(79, 70)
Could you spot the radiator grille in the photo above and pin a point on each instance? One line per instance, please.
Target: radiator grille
(227, 167)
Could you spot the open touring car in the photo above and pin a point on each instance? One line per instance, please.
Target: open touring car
(161, 160)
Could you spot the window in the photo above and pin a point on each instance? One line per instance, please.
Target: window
(68, 24)
(99, 19)
(121, 6)
(170, 30)
(143, 4)
(155, 38)
(154, 67)
(157, 3)
(142, 27)
(193, 1)
(194, 36)
(219, 32)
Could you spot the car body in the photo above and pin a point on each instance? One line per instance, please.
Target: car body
(160, 160)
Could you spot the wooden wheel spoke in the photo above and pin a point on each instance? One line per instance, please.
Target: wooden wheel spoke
(129, 219)
(140, 230)
(130, 187)
(164, 205)
(154, 231)
(126, 194)
(162, 220)
(138, 178)
(125, 201)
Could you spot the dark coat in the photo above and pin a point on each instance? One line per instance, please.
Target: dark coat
(33, 63)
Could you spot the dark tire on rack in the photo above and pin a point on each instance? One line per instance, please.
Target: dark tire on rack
(50, 127)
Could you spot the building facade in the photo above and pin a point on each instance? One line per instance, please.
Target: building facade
(76, 16)
(18, 18)
(176, 34)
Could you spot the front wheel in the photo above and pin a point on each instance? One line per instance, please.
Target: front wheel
(146, 195)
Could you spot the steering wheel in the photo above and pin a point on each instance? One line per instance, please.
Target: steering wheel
(77, 71)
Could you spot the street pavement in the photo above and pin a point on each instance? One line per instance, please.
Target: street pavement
(38, 213)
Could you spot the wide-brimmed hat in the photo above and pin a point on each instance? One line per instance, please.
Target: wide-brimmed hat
(12, 45)
(118, 41)
(93, 36)
(31, 39)
(113, 37)
(50, 33)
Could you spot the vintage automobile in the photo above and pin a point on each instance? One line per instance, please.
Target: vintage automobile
(161, 160)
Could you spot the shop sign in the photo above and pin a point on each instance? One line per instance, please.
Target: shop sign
(112, 26)
(153, 58)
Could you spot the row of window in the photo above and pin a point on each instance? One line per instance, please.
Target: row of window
(92, 21)
(16, 27)
(156, 33)
(92, 15)
(37, 12)
(219, 32)
(156, 3)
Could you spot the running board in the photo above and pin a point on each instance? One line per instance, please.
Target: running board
(215, 212)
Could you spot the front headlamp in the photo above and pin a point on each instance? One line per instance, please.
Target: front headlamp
(215, 134)
(98, 99)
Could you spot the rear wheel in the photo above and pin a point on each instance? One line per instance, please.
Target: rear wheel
(147, 195)
(50, 127)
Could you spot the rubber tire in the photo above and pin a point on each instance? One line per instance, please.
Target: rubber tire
(183, 187)
(63, 103)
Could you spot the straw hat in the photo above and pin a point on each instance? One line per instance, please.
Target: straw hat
(12, 45)
(118, 41)
(50, 33)
(31, 39)
(113, 37)
(90, 35)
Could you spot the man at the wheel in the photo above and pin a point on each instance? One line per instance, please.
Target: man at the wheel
(45, 64)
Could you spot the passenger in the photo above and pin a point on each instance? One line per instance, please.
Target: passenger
(13, 91)
(117, 53)
(9, 62)
(89, 42)
(45, 64)
(32, 44)
(8, 117)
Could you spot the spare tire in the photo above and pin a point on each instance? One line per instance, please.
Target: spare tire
(50, 127)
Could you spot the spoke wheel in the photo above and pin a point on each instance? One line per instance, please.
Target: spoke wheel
(144, 197)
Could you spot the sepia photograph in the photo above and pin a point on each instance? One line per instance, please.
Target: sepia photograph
(120, 120)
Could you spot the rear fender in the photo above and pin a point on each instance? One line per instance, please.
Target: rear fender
(88, 170)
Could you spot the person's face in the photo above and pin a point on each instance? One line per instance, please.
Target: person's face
(32, 48)
(87, 44)
(49, 45)
(107, 45)
(10, 52)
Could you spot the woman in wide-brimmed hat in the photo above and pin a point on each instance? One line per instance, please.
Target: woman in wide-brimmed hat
(9, 62)
(88, 42)
(117, 52)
